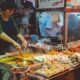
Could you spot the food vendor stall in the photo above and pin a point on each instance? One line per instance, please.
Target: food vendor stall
(46, 58)
(57, 65)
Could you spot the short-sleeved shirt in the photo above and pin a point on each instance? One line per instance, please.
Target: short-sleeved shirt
(10, 28)
(25, 21)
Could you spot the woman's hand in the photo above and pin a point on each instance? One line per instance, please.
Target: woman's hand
(24, 43)
(18, 46)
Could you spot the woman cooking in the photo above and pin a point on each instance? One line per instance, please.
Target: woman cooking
(8, 29)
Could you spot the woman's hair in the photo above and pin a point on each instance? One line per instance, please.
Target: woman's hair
(28, 4)
(8, 5)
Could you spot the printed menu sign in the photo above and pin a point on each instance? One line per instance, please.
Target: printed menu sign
(73, 5)
(50, 4)
(75, 2)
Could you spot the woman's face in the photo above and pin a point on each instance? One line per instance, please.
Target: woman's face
(28, 11)
(8, 12)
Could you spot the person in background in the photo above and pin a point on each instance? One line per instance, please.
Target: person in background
(28, 9)
(8, 29)
(23, 2)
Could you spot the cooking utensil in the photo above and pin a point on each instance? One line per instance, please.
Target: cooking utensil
(24, 50)
(21, 53)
